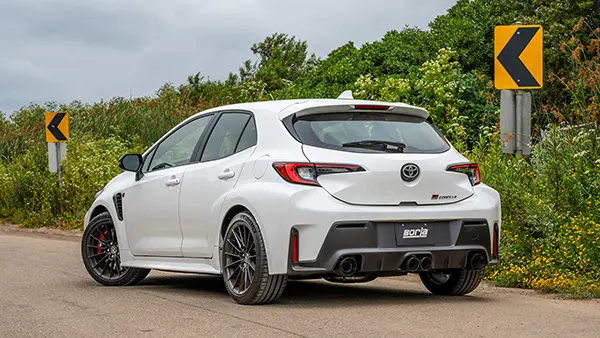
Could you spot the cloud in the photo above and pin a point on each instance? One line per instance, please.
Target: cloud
(63, 50)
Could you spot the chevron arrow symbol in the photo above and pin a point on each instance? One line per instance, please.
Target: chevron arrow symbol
(53, 126)
(509, 57)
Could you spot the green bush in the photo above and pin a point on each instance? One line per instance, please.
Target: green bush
(89, 165)
(551, 208)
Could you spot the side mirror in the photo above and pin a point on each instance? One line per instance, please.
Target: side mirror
(131, 162)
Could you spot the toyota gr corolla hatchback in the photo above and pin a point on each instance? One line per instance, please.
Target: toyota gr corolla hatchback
(340, 189)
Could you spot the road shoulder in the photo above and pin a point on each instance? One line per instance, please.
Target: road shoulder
(68, 235)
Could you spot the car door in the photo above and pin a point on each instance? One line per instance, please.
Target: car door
(151, 204)
(207, 182)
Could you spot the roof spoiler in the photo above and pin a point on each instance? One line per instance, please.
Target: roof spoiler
(355, 106)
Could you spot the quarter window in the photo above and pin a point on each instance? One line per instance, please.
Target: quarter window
(177, 149)
(248, 138)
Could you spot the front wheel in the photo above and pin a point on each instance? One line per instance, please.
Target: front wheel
(244, 261)
(451, 282)
(100, 254)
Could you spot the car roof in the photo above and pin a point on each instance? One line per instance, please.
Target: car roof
(284, 108)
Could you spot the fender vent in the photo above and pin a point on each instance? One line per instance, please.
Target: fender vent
(118, 200)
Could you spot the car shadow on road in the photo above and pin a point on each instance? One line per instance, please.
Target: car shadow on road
(309, 293)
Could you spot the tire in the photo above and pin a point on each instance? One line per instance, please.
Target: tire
(457, 283)
(100, 254)
(244, 264)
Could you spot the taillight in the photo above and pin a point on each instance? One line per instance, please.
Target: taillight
(307, 173)
(469, 169)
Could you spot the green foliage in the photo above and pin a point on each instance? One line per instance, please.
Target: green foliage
(456, 101)
(89, 165)
(26, 184)
(281, 60)
(551, 207)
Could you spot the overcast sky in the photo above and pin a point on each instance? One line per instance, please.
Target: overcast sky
(64, 50)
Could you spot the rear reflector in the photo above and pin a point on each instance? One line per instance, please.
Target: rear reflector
(295, 248)
(371, 107)
(307, 173)
(469, 169)
(496, 240)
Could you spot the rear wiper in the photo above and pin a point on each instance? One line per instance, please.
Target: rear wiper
(383, 145)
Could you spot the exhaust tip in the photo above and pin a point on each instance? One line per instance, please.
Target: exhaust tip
(347, 267)
(426, 263)
(477, 261)
(412, 264)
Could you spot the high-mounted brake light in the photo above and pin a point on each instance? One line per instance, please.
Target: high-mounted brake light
(307, 173)
(469, 169)
(371, 107)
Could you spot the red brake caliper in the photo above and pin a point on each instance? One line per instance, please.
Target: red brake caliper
(100, 243)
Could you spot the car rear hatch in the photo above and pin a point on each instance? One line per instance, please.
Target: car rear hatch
(391, 157)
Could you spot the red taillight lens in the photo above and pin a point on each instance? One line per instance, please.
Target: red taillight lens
(307, 173)
(371, 107)
(302, 173)
(469, 169)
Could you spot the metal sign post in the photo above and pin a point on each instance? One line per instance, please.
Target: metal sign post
(57, 136)
(515, 121)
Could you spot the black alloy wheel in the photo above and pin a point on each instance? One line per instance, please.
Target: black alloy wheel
(240, 258)
(100, 254)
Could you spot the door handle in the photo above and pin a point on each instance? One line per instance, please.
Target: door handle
(172, 181)
(227, 174)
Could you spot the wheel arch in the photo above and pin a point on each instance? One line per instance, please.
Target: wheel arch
(229, 215)
(98, 210)
(106, 205)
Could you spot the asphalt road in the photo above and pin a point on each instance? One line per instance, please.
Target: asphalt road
(46, 292)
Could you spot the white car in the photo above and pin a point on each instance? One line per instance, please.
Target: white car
(341, 189)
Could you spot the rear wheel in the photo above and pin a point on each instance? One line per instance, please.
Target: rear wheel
(451, 282)
(244, 260)
(100, 254)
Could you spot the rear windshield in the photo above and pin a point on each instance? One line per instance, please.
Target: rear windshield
(343, 130)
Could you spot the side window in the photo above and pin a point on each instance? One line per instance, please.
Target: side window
(224, 137)
(248, 138)
(177, 148)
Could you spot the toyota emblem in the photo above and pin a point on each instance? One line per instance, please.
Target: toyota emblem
(409, 172)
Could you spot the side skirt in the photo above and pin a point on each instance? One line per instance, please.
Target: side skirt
(176, 264)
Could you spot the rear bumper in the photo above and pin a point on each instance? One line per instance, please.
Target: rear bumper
(314, 215)
(378, 247)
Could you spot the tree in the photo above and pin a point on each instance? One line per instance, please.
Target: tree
(281, 58)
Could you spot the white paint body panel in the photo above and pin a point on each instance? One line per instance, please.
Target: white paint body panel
(151, 209)
(192, 213)
(201, 199)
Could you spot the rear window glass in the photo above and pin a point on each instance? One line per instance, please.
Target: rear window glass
(341, 130)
